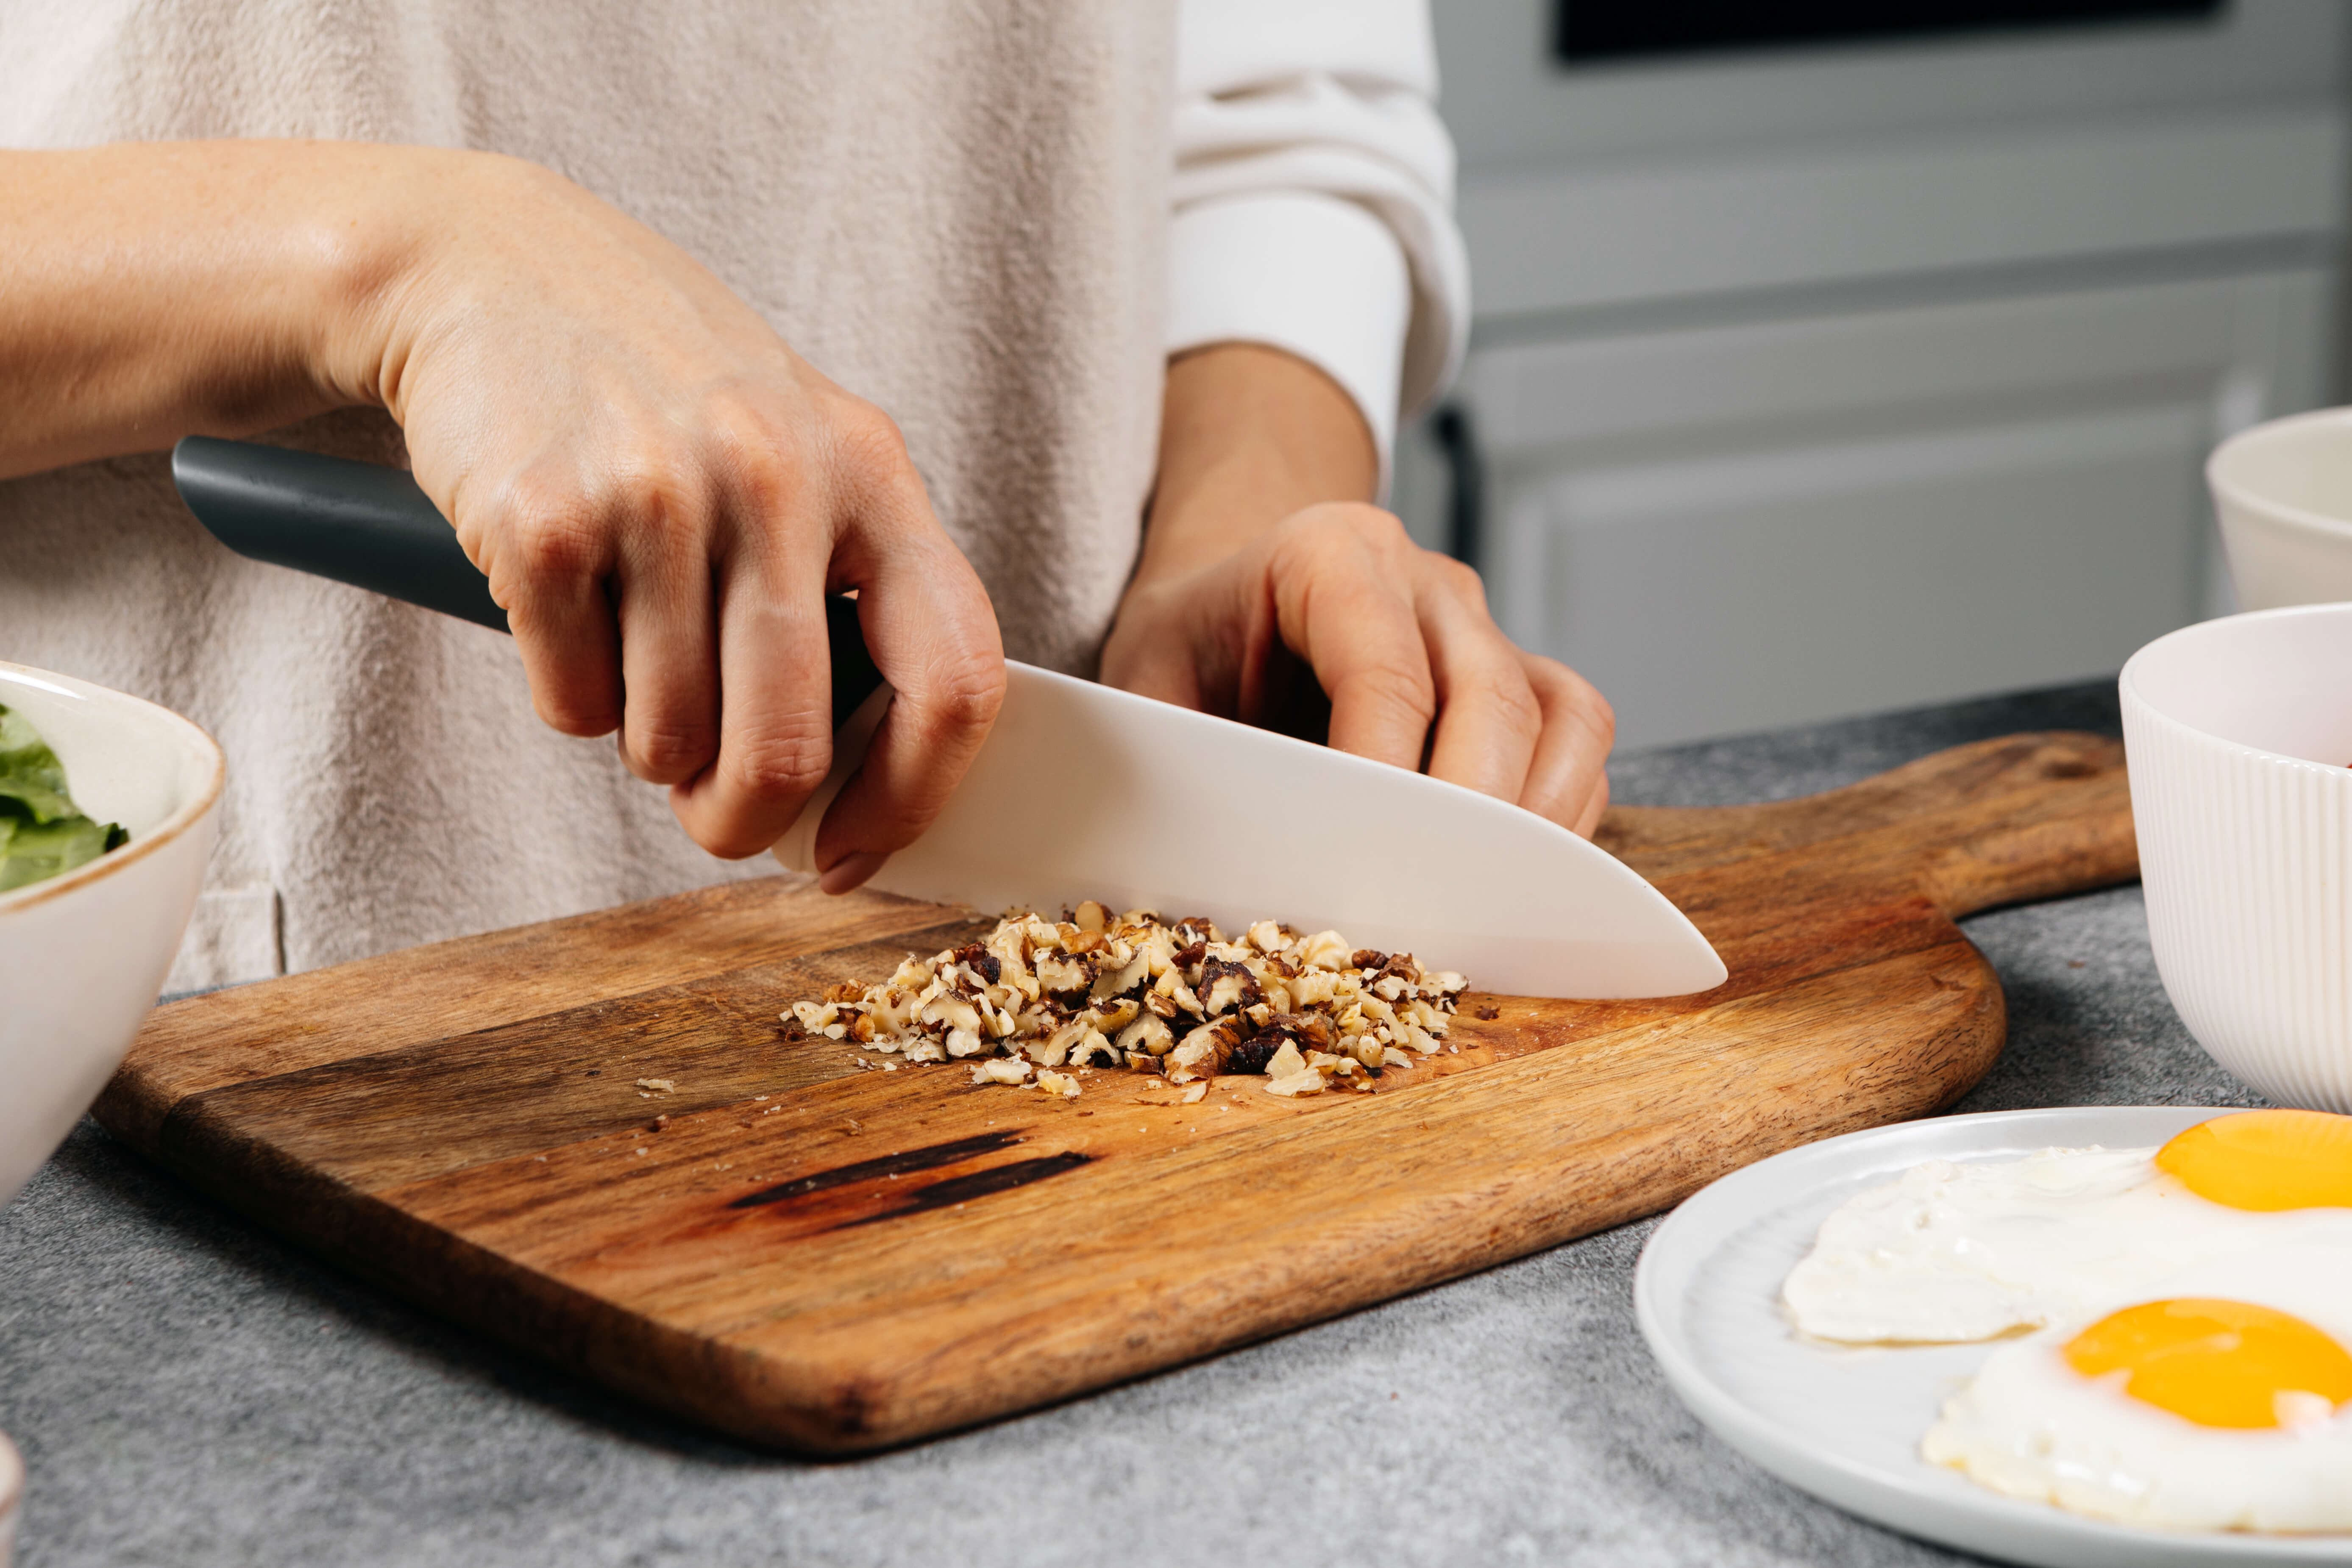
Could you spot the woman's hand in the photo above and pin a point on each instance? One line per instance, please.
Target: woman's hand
(1261, 598)
(1336, 604)
(662, 494)
(660, 491)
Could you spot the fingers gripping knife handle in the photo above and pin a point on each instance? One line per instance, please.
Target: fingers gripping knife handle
(371, 526)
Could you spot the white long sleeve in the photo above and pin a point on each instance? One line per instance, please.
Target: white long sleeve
(1313, 196)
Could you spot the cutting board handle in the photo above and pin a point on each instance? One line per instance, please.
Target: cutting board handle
(1999, 821)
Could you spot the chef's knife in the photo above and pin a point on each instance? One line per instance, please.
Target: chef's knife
(1085, 791)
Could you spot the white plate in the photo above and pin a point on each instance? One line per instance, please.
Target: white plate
(12, 1492)
(1845, 1423)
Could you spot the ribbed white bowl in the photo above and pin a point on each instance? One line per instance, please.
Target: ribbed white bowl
(2237, 732)
(2283, 493)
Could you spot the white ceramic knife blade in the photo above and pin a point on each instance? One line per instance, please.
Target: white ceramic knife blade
(1085, 791)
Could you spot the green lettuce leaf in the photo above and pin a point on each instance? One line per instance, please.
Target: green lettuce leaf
(42, 831)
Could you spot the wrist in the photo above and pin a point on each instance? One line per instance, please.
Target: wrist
(378, 253)
(1250, 435)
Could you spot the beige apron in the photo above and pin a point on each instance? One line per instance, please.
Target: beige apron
(956, 211)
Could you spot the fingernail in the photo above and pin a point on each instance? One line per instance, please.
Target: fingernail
(850, 870)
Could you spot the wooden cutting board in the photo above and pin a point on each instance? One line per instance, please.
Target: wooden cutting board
(816, 1253)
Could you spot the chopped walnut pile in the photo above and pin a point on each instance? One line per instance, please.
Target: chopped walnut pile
(1037, 995)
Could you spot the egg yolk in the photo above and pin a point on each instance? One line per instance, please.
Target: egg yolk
(2218, 1363)
(2266, 1160)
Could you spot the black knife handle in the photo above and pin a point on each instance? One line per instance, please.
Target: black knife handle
(371, 526)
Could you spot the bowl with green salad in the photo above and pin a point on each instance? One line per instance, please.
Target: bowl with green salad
(106, 821)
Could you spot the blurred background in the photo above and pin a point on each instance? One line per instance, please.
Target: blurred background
(1820, 368)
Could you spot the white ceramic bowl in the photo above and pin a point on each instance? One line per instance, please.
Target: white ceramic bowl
(82, 956)
(2282, 492)
(2238, 731)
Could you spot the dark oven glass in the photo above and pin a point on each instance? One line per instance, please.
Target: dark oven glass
(1585, 30)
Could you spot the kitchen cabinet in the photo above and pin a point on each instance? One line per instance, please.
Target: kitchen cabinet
(1765, 524)
(1812, 384)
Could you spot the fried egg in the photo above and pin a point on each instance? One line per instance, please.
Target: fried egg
(1951, 1253)
(2223, 1401)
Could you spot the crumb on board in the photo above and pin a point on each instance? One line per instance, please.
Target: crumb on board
(1177, 1000)
(657, 1085)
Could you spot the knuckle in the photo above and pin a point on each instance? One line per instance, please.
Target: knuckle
(1333, 520)
(1379, 533)
(549, 531)
(786, 764)
(1320, 546)
(1549, 675)
(1396, 685)
(1461, 577)
(1379, 527)
(667, 750)
(1602, 716)
(1581, 698)
(1356, 537)
(869, 443)
(757, 451)
(965, 696)
(654, 488)
(1515, 702)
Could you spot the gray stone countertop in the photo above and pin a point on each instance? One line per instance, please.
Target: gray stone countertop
(188, 1390)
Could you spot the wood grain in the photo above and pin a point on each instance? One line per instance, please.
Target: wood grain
(809, 1252)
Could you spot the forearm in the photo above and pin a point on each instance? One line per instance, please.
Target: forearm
(151, 291)
(1248, 436)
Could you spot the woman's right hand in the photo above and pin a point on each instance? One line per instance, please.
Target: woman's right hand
(662, 494)
(660, 491)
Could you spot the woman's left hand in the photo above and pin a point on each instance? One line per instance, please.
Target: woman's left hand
(1326, 619)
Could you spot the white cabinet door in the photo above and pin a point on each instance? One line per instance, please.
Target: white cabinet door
(1742, 526)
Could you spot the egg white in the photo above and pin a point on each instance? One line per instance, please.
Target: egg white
(2031, 1425)
(1951, 1253)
